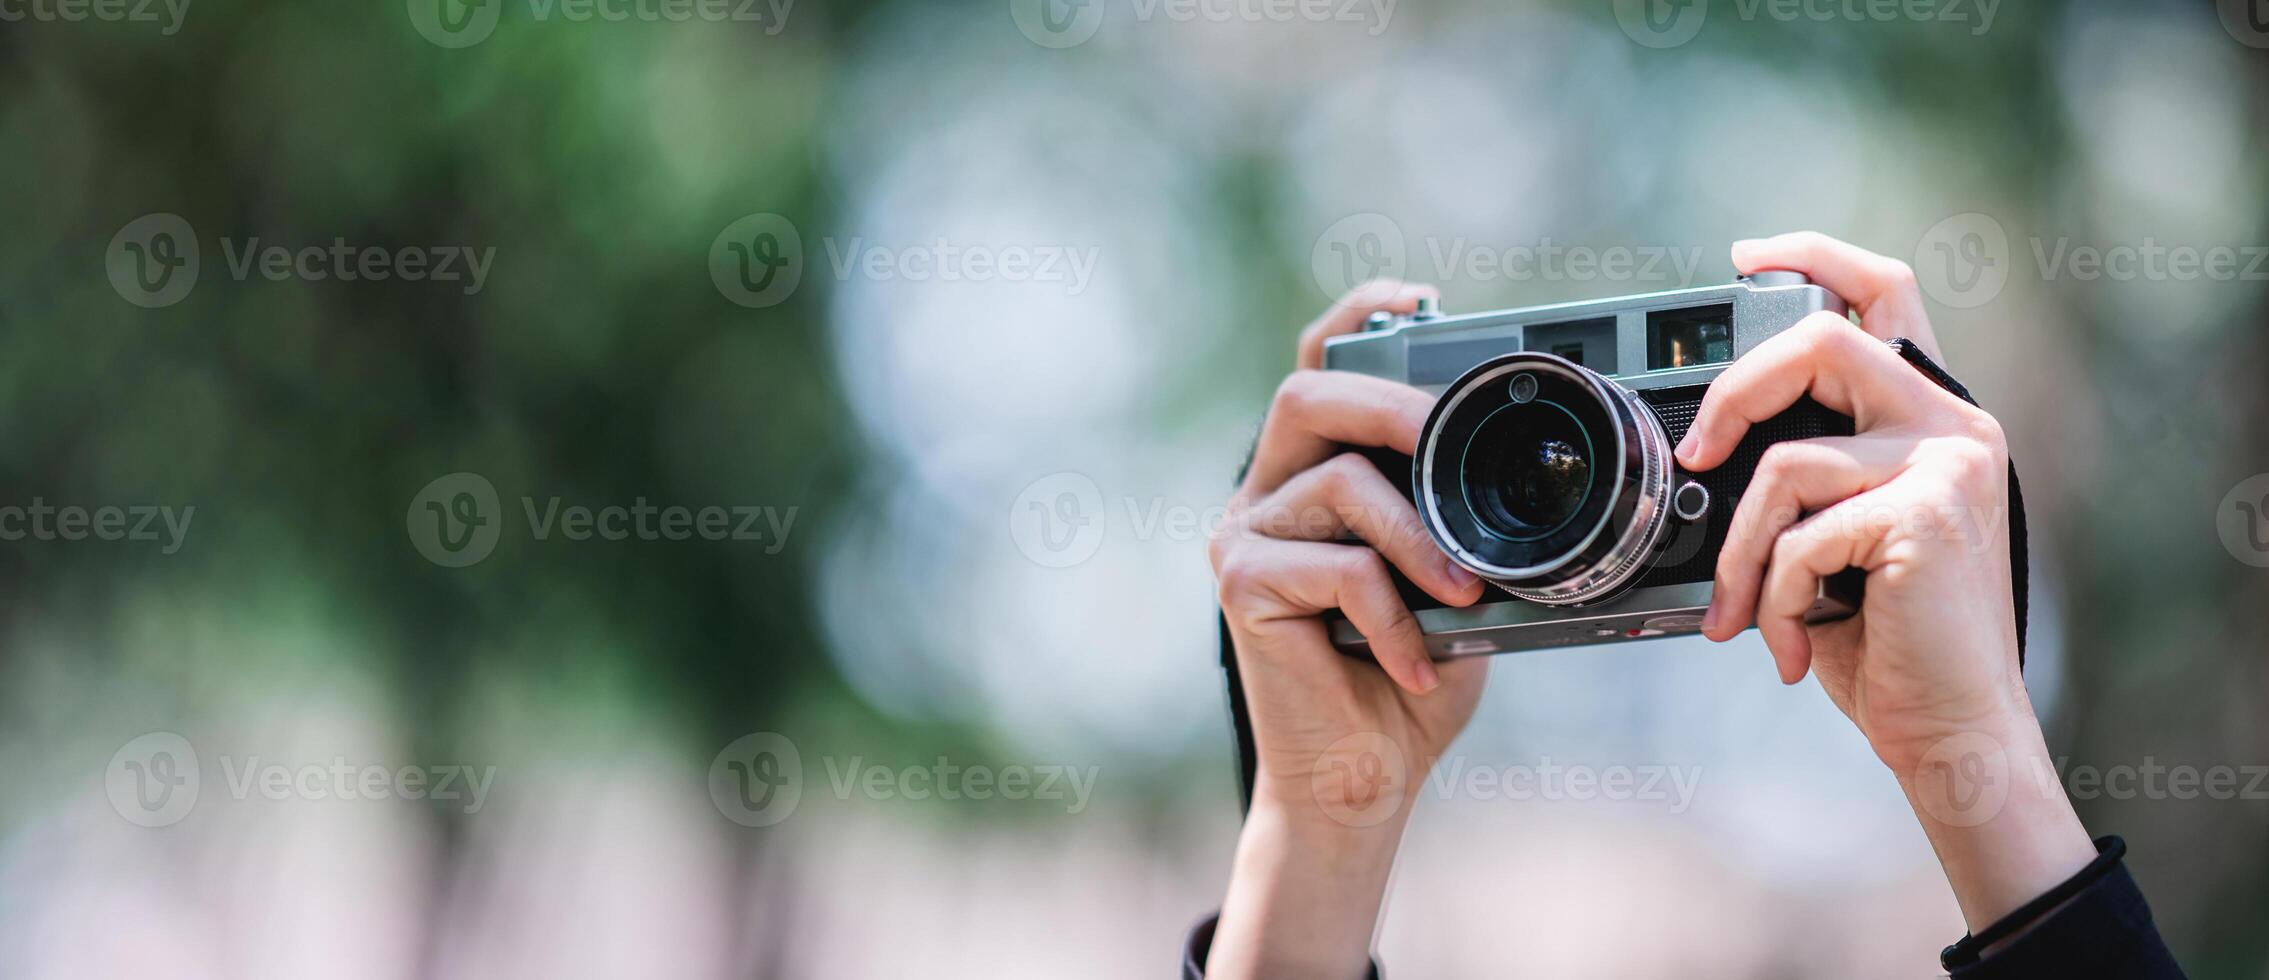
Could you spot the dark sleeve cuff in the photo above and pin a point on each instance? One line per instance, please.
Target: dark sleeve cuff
(2095, 924)
(1201, 942)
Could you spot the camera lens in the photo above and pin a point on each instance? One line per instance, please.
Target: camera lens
(1527, 469)
(1545, 478)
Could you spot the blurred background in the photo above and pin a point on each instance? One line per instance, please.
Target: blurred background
(552, 488)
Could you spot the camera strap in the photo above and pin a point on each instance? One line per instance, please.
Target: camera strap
(1240, 717)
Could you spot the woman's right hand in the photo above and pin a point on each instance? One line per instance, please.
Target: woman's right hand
(1342, 743)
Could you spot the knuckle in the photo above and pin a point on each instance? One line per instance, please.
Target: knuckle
(1826, 331)
(1296, 394)
(1365, 567)
(1790, 542)
(1221, 541)
(1238, 579)
(1779, 461)
(1972, 464)
(1342, 475)
(1986, 430)
(1897, 275)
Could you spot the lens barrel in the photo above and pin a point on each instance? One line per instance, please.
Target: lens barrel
(1545, 478)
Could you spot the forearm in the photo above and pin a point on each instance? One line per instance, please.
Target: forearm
(1304, 894)
(1994, 808)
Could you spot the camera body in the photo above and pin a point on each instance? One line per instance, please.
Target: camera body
(1545, 467)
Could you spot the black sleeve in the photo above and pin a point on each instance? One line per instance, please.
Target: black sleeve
(2094, 925)
(1201, 942)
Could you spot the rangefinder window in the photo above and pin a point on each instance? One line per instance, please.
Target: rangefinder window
(1685, 338)
(1589, 342)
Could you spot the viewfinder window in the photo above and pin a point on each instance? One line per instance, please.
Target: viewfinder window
(1686, 338)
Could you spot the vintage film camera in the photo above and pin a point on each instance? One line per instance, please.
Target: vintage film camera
(1546, 468)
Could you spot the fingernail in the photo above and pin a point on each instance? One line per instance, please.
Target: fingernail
(1710, 618)
(1427, 678)
(1744, 244)
(1685, 450)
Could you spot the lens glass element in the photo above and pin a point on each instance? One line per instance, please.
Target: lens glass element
(1527, 470)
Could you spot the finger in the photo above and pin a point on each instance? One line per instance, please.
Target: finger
(1346, 314)
(1269, 579)
(1347, 494)
(1879, 288)
(1792, 479)
(1318, 412)
(1846, 535)
(1823, 356)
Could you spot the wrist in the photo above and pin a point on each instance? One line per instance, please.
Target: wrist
(1305, 893)
(1993, 805)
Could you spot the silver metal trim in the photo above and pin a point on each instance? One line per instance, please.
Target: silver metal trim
(1432, 508)
(1619, 564)
(1623, 562)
